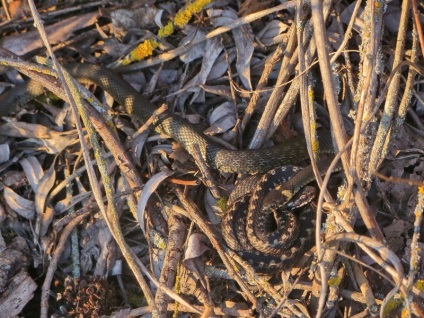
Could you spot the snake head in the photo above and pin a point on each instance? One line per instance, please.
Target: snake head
(287, 200)
(275, 199)
(301, 198)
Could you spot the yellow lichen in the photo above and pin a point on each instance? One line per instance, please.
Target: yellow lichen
(198, 5)
(158, 240)
(184, 15)
(222, 203)
(315, 146)
(334, 281)
(420, 284)
(167, 30)
(142, 51)
(392, 304)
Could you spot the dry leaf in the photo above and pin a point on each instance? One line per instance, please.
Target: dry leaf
(212, 50)
(20, 205)
(222, 119)
(45, 185)
(24, 43)
(394, 235)
(272, 33)
(212, 208)
(138, 145)
(4, 153)
(33, 171)
(148, 190)
(346, 15)
(195, 51)
(243, 39)
(53, 141)
(220, 67)
(69, 202)
(108, 250)
(129, 19)
(45, 220)
(197, 246)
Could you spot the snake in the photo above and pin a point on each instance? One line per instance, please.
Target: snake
(250, 161)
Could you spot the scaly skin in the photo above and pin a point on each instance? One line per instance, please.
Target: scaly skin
(239, 161)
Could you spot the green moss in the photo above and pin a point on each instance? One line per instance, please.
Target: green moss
(392, 305)
(334, 281)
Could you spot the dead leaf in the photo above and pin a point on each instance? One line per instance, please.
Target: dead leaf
(108, 251)
(195, 51)
(33, 171)
(219, 90)
(148, 190)
(24, 43)
(346, 15)
(220, 67)
(53, 141)
(3, 215)
(392, 17)
(4, 153)
(44, 211)
(45, 220)
(197, 246)
(140, 18)
(222, 119)
(45, 185)
(138, 145)
(243, 39)
(25, 130)
(272, 33)
(252, 6)
(212, 50)
(212, 208)
(22, 206)
(69, 202)
(19, 8)
(394, 235)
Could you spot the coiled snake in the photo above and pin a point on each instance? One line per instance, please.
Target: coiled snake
(240, 161)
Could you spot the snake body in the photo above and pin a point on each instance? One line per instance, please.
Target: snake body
(240, 161)
(273, 225)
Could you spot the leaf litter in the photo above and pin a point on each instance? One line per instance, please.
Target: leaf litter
(44, 184)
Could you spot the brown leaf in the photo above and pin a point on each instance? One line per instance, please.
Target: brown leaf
(243, 39)
(273, 33)
(197, 246)
(33, 171)
(26, 42)
(53, 141)
(148, 190)
(222, 119)
(20, 205)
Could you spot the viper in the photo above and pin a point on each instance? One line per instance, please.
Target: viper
(235, 161)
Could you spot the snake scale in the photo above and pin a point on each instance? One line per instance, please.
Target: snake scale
(234, 161)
